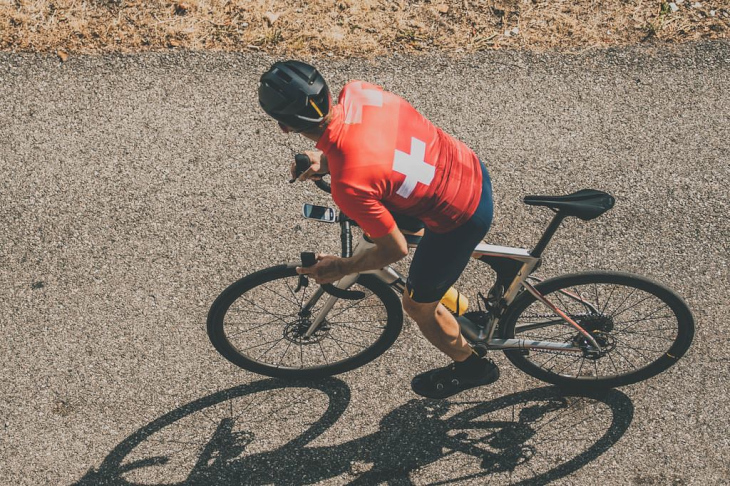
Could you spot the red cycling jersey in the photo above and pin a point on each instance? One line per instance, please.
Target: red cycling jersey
(385, 156)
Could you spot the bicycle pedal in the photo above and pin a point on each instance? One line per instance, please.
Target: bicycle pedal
(480, 349)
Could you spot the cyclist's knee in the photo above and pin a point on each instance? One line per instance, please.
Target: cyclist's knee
(417, 310)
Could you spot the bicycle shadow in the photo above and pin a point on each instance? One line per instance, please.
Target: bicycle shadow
(266, 433)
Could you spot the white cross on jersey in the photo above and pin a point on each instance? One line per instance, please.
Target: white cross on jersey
(357, 97)
(414, 167)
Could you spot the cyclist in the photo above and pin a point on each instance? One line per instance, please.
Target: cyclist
(385, 158)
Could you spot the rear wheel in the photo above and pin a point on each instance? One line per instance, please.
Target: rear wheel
(642, 327)
(260, 323)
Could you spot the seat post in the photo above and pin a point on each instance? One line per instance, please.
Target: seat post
(547, 236)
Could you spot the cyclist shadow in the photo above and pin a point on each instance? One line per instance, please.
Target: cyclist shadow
(530, 437)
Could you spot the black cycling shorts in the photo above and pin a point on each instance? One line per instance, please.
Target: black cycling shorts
(440, 258)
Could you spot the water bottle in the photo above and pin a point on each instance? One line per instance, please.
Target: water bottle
(455, 302)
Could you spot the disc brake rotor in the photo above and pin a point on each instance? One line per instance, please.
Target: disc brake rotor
(599, 327)
(295, 332)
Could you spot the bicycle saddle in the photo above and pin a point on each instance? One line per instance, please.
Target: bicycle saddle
(585, 204)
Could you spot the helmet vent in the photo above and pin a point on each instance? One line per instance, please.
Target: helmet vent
(304, 75)
(284, 75)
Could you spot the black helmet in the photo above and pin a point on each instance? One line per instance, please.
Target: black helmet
(295, 94)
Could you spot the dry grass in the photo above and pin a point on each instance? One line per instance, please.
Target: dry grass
(351, 27)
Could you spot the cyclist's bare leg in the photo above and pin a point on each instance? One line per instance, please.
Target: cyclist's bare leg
(439, 326)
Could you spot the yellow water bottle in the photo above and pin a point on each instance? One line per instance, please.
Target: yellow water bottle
(455, 302)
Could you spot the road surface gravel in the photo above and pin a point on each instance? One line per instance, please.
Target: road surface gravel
(134, 189)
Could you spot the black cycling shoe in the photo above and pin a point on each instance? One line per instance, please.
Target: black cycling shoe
(447, 381)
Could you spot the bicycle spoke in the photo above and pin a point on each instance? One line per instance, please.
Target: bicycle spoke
(648, 316)
(644, 319)
(650, 333)
(322, 349)
(617, 313)
(568, 364)
(304, 292)
(283, 297)
(250, 329)
(625, 358)
(249, 311)
(551, 357)
(271, 313)
(562, 304)
(608, 299)
(356, 303)
(272, 347)
(581, 300)
(638, 350)
(610, 358)
(262, 344)
(348, 342)
(633, 291)
(339, 345)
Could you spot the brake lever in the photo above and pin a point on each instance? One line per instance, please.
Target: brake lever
(309, 259)
(303, 163)
(303, 282)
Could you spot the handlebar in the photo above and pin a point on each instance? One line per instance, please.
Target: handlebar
(303, 163)
(308, 259)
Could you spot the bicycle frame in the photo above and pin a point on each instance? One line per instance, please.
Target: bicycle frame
(527, 262)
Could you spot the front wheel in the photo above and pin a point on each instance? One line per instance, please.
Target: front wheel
(261, 324)
(642, 327)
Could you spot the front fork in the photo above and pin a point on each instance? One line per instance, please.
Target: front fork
(344, 283)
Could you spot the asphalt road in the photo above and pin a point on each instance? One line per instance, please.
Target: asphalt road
(134, 189)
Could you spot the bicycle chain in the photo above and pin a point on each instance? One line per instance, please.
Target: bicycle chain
(550, 351)
(547, 315)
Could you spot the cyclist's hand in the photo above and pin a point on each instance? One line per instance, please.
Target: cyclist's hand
(316, 170)
(328, 269)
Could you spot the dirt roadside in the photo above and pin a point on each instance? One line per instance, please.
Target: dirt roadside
(345, 28)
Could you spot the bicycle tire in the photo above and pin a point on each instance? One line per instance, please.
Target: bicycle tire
(616, 334)
(377, 291)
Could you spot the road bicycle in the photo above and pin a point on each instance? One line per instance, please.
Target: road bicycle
(591, 330)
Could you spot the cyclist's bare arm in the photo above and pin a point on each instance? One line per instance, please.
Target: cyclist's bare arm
(318, 168)
(388, 249)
